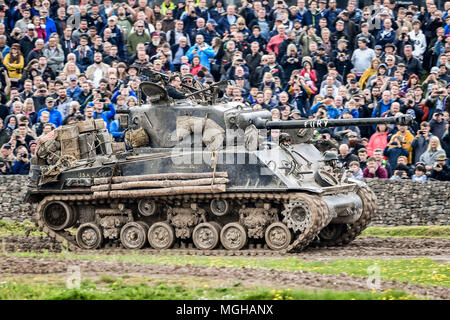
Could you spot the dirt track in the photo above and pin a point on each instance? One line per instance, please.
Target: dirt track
(368, 247)
(275, 278)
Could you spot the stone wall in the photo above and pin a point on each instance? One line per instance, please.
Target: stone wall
(399, 202)
(411, 203)
(12, 193)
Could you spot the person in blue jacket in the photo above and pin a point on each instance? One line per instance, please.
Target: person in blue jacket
(55, 116)
(383, 106)
(201, 49)
(50, 25)
(332, 112)
(386, 34)
(105, 110)
(22, 164)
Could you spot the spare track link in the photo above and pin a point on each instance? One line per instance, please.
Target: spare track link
(320, 219)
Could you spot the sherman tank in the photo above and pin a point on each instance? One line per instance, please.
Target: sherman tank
(200, 175)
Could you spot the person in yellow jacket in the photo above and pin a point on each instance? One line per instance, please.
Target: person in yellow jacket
(406, 137)
(371, 71)
(14, 63)
(167, 4)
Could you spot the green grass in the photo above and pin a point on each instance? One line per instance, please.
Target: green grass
(409, 231)
(118, 288)
(422, 271)
(19, 228)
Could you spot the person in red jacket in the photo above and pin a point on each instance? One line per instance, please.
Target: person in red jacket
(374, 170)
(378, 140)
(276, 40)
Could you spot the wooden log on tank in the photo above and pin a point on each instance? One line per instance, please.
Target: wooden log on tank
(216, 188)
(161, 176)
(160, 184)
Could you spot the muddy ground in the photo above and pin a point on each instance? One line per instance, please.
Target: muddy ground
(368, 247)
(273, 278)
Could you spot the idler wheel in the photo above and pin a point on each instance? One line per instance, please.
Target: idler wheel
(332, 232)
(161, 236)
(58, 215)
(89, 236)
(233, 236)
(147, 207)
(219, 207)
(134, 235)
(206, 236)
(278, 236)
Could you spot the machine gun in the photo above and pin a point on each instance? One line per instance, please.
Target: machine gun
(195, 91)
(221, 84)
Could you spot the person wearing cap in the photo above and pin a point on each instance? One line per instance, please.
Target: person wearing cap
(27, 42)
(55, 116)
(341, 58)
(440, 169)
(432, 80)
(116, 36)
(209, 32)
(340, 32)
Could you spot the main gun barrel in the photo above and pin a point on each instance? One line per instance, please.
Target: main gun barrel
(261, 120)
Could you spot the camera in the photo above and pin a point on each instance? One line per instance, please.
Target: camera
(2, 164)
(399, 173)
(2, 7)
(421, 132)
(23, 155)
(42, 90)
(395, 144)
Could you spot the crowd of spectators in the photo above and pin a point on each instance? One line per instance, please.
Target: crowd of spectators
(61, 63)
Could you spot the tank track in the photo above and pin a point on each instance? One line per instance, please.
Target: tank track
(350, 232)
(319, 213)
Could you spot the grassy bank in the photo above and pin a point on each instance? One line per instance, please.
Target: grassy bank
(127, 288)
(409, 231)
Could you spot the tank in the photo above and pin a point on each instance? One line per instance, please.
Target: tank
(199, 175)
